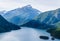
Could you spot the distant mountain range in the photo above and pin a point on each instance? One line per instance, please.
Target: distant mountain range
(22, 15)
(6, 26)
(28, 16)
(45, 20)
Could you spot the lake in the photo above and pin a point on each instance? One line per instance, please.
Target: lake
(25, 34)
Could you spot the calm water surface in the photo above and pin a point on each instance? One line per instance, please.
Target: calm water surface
(25, 34)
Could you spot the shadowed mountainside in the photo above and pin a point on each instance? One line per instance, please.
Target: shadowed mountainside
(6, 26)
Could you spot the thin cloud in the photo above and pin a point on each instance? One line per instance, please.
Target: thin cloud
(42, 5)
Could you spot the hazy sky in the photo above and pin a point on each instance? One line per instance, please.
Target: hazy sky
(42, 5)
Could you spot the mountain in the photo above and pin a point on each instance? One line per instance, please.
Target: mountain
(55, 32)
(22, 15)
(58, 24)
(49, 17)
(2, 12)
(37, 25)
(45, 20)
(6, 26)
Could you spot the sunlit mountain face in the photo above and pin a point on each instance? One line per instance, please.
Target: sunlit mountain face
(50, 17)
(22, 15)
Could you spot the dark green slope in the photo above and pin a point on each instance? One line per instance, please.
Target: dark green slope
(5, 26)
(37, 24)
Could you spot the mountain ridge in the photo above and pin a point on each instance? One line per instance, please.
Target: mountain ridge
(22, 15)
(49, 16)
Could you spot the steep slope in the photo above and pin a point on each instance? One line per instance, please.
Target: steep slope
(22, 15)
(55, 32)
(50, 17)
(58, 24)
(45, 20)
(5, 26)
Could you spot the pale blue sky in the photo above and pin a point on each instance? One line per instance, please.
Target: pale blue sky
(42, 5)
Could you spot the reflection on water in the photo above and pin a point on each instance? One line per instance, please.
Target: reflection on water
(25, 34)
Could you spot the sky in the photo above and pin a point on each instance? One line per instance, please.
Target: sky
(42, 5)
